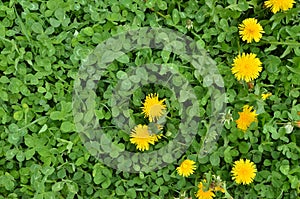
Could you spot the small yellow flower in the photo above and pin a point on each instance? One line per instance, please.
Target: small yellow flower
(153, 108)
(277, 5)
(202, 194)
(246, 118)
(219, 188)
(186, 168)
(250, 30)
(141, 137)
(265, 95)
(246, 67)
(243, 171)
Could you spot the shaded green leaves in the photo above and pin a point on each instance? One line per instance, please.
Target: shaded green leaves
(7, 181)
(67, 127)
(37, 28)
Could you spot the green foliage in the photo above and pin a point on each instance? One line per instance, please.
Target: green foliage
(43, 44)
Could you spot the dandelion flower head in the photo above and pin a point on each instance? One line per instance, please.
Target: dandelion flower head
(202, 194)
(243, 171)
(264, 96)
(277, 5)
(141, 137)
(153, 107)
(246, 117)
(246, 67)
(250, 30)
(186, 168)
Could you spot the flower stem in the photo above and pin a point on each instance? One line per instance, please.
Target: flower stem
(28, 125)
(159, 13)
(282, 43)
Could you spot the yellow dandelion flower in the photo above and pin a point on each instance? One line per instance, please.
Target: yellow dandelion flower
(250, 30)
(246, 118)
(153, 108)
(277, 5)
(265, 95)
(273, 4)
(154, 130)
(287, 4)
(141, 137)
(219, 188)
(157, 137)
(243, 171)
(201, 194)
(186, 168)
(246, 67)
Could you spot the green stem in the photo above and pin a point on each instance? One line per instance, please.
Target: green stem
(25, 117)
(159, 13)
(195, 34)
(227, 195)
(28, 125)
(281, 43)
(162, 15)
(4, 39)
(105, 107)
(23, 27)
(179, 8)
(281, 123)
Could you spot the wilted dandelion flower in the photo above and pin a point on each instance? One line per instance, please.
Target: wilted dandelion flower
(202, 194)
(226, 117)
(265, 95)
(250, 30)
(243, 171)
(189, 24)
(186, 168)
(219, 188)
(246, 117)
(218, 184)
(246, 67)
(153, 108)
(141, 137)
(277, 5)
